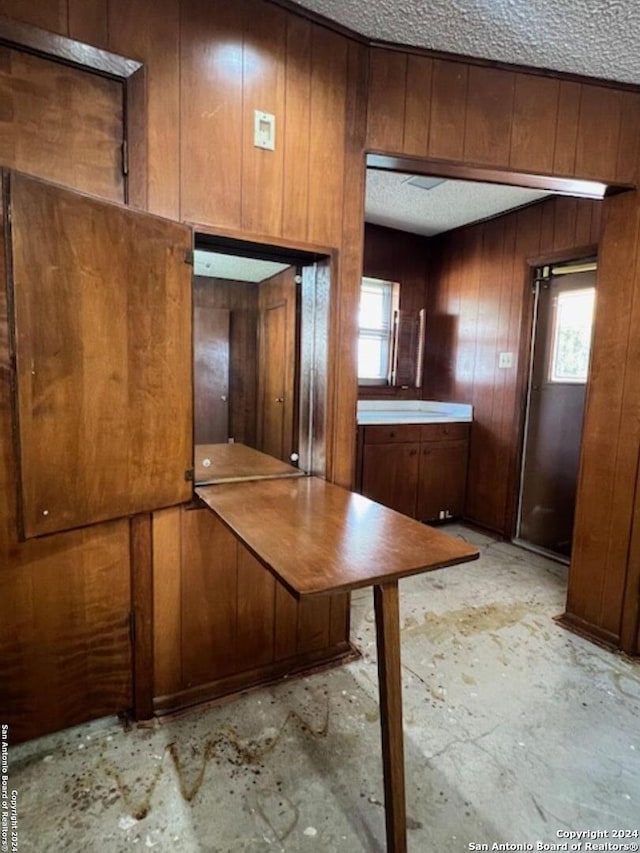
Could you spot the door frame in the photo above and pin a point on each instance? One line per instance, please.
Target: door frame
(525, 358)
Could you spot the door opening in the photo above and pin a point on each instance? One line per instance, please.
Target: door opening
(564, 307)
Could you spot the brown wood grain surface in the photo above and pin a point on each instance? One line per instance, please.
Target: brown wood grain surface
(211, 373)
(96, 365)
(61, 123)
(277, 370)
(264, 83)
(241, 300)
(480, 114)
(387, 610)
(232, 462)
(209, 598)
(141, 533)
(319, 538)
(479, 304)
(65, 638)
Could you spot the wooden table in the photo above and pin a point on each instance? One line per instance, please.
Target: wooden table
(317, 539)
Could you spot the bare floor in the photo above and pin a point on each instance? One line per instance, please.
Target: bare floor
(515, 730)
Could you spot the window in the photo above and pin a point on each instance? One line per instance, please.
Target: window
(378, 301)
(571, 341)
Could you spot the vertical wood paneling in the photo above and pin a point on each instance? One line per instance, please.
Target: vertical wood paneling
(209, 594)
(610, 443)
(211, 144)
(564, 156)
(448, 110)
(286, 627)
(387, 85)
(149, 29)
(346, 300)
(263, 70)
(314, 616)
(417, 117)
(535, 114)
(88, 21)
(327, 137)
(564, 232)
(480, 282)
(167, 563)
(583, 225)
(488, 116)
(598, 133)
(527, 244)
(50, 16)
(256, 610)
(629, 142)
(296, 131)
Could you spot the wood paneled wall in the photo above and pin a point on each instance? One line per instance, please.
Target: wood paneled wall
(484, 116)
(210, 64)
(402, 257)
(479, 296)
(241, 299)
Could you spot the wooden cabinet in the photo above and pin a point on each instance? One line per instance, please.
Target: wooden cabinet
(222, 622)
(390, 475)
(419, 470)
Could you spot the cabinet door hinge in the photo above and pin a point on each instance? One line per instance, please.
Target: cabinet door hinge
(125, 158)
(189, 475)
(188, 258)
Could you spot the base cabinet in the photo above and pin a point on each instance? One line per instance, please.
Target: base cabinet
(417, 469)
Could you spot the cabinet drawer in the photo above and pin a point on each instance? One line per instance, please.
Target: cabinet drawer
(391, 434)
(443, 432)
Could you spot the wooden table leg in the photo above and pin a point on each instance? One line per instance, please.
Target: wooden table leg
(385, 598)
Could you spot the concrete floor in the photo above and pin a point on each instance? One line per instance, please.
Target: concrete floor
(514, 729)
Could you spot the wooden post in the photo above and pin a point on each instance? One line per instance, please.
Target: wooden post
(385, 597)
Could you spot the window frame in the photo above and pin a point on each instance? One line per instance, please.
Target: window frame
(385, 333)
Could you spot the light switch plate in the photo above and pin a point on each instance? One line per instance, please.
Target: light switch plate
(505, 360)
(264, 130)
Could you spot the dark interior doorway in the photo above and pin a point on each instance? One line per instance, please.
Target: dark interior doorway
(564, 301)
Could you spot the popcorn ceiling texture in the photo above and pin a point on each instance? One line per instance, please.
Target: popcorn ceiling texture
(597, 38)
(392, 202)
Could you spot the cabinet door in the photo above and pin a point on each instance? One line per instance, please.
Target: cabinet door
(390, 475)
(102, 337)
(443, 478)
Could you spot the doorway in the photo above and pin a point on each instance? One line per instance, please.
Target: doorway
(564, 308)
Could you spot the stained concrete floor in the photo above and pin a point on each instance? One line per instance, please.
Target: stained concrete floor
(514, 730)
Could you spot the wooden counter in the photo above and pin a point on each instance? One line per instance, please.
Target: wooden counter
(318, 538)
(231, 463)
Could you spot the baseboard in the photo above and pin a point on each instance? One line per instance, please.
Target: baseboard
(232, 686)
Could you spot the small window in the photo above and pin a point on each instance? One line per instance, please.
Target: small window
(378, 301)
(571, 342)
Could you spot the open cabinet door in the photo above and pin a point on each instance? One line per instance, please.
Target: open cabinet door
(101, 299)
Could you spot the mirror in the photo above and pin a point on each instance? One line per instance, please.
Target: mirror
(254, 364)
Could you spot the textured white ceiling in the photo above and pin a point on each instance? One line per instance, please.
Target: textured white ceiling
(234, 267)
(392, 202)
(598, 38)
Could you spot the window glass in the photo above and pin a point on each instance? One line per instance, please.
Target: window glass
(571, 342)
(375, 327)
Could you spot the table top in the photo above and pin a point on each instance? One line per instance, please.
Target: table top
(318, 538)
(230, 463)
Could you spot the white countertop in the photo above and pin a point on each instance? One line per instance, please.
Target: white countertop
(371, 412)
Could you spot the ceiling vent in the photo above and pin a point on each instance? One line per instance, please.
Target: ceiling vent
(423, 182)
